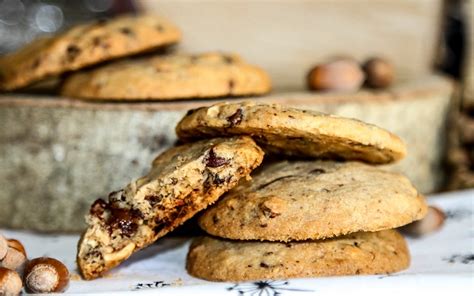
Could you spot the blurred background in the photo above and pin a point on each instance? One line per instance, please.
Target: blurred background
(430, 104)
(418, 36)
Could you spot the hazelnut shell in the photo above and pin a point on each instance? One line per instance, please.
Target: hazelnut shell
(432, 222)
(46, 275)
(379, 73)
(338, 75)
(3, 247)
(14, 260)
(17, 245)
(10, 282)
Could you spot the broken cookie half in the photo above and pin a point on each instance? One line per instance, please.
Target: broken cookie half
(182, 181)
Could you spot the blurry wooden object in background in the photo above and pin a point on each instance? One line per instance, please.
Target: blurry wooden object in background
(62, 154)
(460, 155)
(288, 37)
(468, 80)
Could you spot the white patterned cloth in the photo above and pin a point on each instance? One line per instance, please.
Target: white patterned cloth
(442, 263)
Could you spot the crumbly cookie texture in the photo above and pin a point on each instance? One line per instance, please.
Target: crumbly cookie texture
(85, 45)
(291, 131)
(182, 181)
(170, 77)
(359, 253)
(302, 200)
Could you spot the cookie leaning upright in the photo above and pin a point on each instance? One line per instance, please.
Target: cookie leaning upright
(179, 76)
(85, 45)
(182, 181)
(296, 132)
(301, 200)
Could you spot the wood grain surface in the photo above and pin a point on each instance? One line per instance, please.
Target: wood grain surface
(57, 155)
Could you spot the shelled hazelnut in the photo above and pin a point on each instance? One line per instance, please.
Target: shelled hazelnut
(433, 221)
(338, 75)
(46, 275)
(10, 282)
(379, 73)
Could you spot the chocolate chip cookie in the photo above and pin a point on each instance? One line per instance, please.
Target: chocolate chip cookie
(302, 200)
(85, 45)
(182, 181)
(358, 253)
(291, 131)
(170, 77)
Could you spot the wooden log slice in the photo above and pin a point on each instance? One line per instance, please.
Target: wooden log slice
(57, 155)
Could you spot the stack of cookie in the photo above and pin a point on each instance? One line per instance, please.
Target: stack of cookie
(291, 219)
(152, 77)
(303, 218)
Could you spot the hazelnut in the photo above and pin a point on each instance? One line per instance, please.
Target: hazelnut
(433, 221)
(15, 257)
(17, 245)
(379, 73)
(338, 75)
(46, 275)
(10, 282)
(3, 247)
